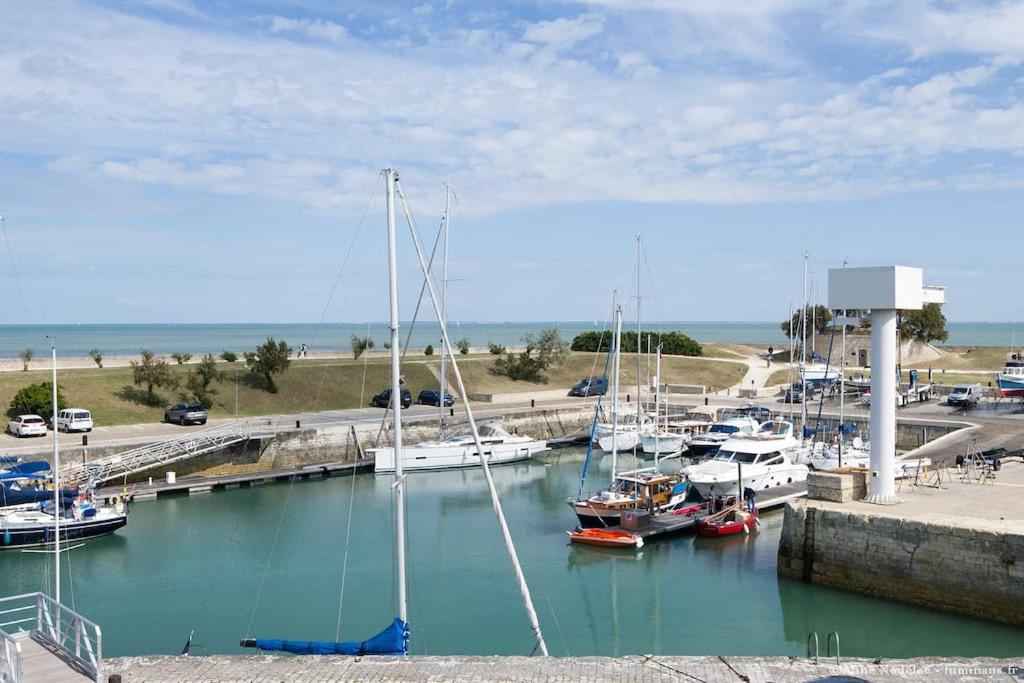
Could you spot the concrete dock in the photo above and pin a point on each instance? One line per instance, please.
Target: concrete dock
(640, 668)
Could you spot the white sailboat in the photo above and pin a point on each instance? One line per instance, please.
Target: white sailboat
(661, 440)
(456, 449)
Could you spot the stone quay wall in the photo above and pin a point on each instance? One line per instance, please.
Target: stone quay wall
(974, 567)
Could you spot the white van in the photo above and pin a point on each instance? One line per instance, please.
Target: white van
(74, 420)
(964, 395)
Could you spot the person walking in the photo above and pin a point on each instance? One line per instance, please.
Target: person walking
(750, 496)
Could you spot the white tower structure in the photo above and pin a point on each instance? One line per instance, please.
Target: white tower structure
(884, 291)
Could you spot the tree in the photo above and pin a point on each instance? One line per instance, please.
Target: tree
(429, 351)
(541, 352)
(37, 399)
(152, 372)
(926, 325)
(269, 359)
(819, 318)
(496, 349)
(26, 357)
(201, 379)
(229, 356)
(361, 344)
(182, 358)
(97, 357)
(463, 346)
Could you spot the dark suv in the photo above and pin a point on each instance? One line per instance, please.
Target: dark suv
(590, 386)
(383, 399)
(186, 413)
(430, 397)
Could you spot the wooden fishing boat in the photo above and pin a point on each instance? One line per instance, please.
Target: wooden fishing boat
(727, 523)
(606, 538)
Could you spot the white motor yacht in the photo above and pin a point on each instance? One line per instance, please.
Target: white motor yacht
(720, 432)
(766, 457)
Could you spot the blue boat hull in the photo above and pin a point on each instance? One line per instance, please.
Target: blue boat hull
(1010, 387)
(69, 531)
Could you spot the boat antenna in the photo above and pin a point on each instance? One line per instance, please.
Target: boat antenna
(449, 190)
(524, 589)
(56, 474)
(391, 179)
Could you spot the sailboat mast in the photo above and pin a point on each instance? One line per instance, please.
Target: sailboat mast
(396, 399)
(639, 403)
(842, 386)
(803, 357)
(56, 478)
(615, 386)
(444, 308)
(657, 407)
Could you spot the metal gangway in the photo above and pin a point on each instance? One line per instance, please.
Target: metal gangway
(162, 453)
(42, 640)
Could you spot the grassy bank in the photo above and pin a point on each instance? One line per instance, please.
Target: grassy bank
(329, 384)
(938, 377)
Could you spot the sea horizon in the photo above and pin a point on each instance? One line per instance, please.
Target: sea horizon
(125, 339)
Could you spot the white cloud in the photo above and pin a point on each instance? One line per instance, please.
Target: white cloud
(313, 28)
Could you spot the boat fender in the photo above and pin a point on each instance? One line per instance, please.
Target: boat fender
(7, 536)
(639, 543)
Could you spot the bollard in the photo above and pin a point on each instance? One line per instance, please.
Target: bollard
(705, 400)
(298, 425)
(533, 403)
(85, 439)
(114, 678)
(627, 398)
(451, 412)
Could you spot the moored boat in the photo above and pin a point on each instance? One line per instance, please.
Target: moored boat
(606, 538)
(766, 457)
(459, 450)
(1011, 380)
(644, 489)
(727, 523)
(709, 442)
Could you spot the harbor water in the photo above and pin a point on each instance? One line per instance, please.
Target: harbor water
(126, 340)
(271, 561)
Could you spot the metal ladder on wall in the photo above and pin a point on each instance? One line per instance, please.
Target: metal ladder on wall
(165, 452)
(813, 637)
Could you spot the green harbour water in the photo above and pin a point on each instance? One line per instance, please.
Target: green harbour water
(268, 562)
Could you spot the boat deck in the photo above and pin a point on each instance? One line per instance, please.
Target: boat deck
(667, 524)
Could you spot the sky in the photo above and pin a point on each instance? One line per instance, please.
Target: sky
(176, 161)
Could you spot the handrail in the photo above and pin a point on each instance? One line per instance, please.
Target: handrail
(10, 659)
(828, 645)
(167, 452)
(815, 634)
(64, 628)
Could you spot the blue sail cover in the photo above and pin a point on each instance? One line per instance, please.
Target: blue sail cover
(393, 641)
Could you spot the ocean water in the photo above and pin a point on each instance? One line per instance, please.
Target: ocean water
(271, 561)
(126, 340)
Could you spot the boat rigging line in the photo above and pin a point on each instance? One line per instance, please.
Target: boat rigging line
(495, 499)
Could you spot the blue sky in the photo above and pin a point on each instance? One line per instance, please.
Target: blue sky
(171, 161)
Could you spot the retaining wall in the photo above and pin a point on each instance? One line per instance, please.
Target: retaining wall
(974, 568)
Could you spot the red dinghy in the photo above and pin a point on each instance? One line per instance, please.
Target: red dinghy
(606, 538)
(727, 523)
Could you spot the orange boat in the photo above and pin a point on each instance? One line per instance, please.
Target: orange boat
(606, 538)
(727, 523)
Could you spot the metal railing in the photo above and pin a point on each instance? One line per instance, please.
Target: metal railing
(59, 626)
(166, 452)
(10, 659)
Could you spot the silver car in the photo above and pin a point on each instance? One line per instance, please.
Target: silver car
(186, 413)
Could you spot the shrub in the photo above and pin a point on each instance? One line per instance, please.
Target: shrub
(463, 346)
(97, 357)
(229, 356)
(496, 349)
(269, 359)
(429, 351)
(26, 357)
(541, 352)
(361, 344)
(37, 399)
(673, 343)
(182, 358)
(200, 380)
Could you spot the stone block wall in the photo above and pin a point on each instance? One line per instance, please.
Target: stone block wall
(976, 569)
(838, 486)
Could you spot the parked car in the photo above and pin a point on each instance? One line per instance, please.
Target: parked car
(430, 397)
(27, 425)
(795, 394)
(74, 420)
(590, 386)
(965, 395)
(383, 399)
(187, 413)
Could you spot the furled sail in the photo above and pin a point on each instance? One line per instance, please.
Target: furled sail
(393, 641)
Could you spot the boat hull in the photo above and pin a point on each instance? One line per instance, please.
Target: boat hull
(443, 457)
(716, 529)
(624, 441)
(726, 484)
(42, 534)
(1010, 387)
(667, 444)
(606, 538)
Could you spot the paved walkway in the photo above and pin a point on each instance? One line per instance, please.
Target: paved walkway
(475, 669)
